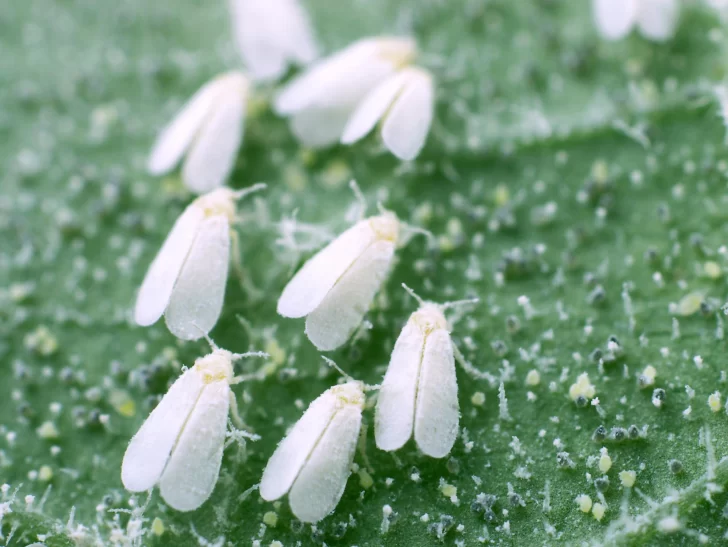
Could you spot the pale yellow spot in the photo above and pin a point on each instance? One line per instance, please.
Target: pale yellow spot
(448, 490)
(400, 52)
(605, 461)
(337, 174)
(501, 196)
(649, 375)
(445, 243)
(45, 473)
(365, 479)
(598, 511)
(157, 526)
(533, 378)
(584, 502)
(48, 430)
(276, 352)
(173, 186)
(690, 303)
(386, 226)
(257, 104)
(628, 478)
(308, 156)
(455, 228)
(220, 202)
(429, 318)
(270, 519)
(478, 398)
(41, 340)
(600, 171)
(582, 388)
(122, 402)
(714, 401)
(712, 270)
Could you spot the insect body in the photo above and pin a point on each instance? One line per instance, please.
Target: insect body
(312, 463)
(186, 281)
(208, 130)
(419, 394)
(341, 98)
(334, 289)
(271, 35)
(180, 444)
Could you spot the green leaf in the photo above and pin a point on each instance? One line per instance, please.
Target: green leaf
(576, 186)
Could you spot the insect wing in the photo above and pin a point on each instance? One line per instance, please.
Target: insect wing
(408, 122)
(291, 454)
(322, 480)
(395, 413)
(197, 298)
(437, 414)
(212, 154)
(175, 139)
(314, 280)
(149, 450)
(342, 310)
(193, 468)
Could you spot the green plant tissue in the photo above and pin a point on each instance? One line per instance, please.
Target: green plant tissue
(576, 186)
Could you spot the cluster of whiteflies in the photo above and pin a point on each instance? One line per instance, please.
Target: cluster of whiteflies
(338, 99)
(180, 445)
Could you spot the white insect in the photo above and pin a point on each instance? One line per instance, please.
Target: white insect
(404, 103)
(656, 19)
(186, 281)
(180, 444)
(312, 463)
(209, 130)
(346, 94)
(270, 34)
(335, 287)
(420, 393)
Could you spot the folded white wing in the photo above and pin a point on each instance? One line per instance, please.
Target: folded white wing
(342, 310)
(658, 18)
(321, 272)
(408, 122)
(437, 414)
(176, 138)
(149, 450)
(339, 81)
(271, 33)
(213, 152)
(395, 413)
(193, 468)
(197, 298)
(615, 18)
(373, 108)
(301, 44)
(159, 282)
(322, 480)
(291, 454)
